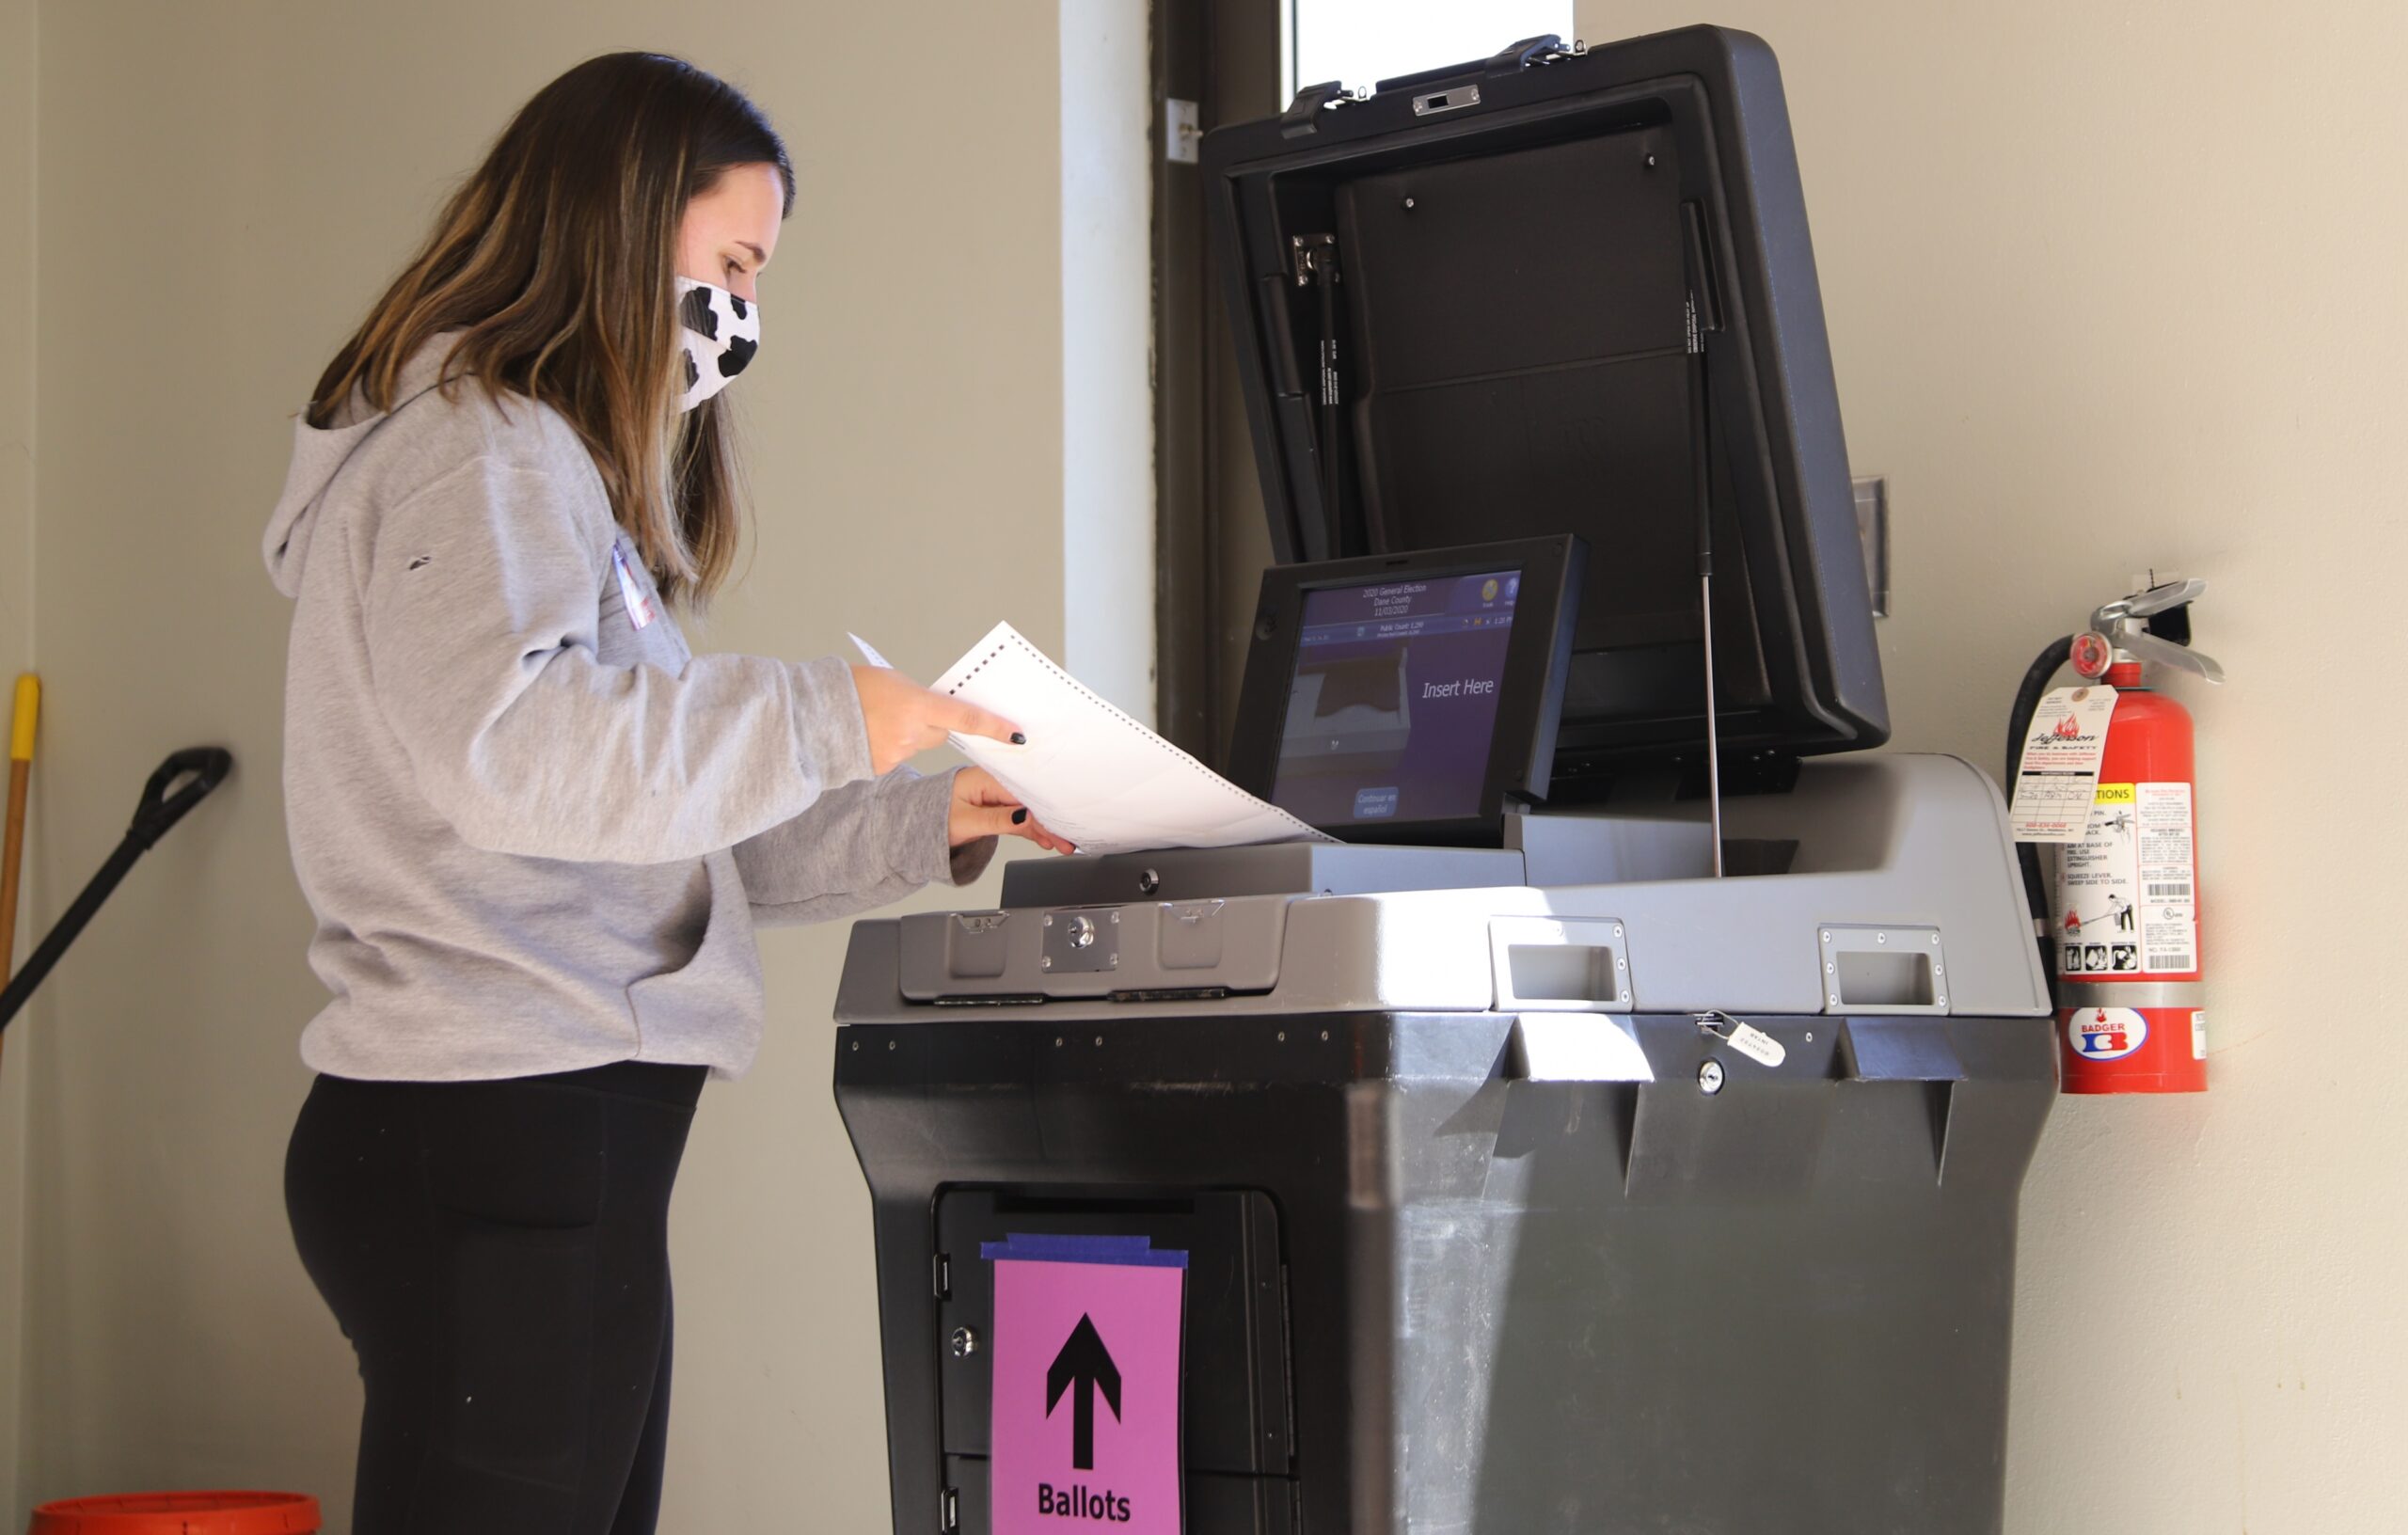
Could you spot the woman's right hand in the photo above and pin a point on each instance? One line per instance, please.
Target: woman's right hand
(905, 719)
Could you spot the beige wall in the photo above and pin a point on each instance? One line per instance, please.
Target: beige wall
(2113, 286)
(223, 187)
(18, 108)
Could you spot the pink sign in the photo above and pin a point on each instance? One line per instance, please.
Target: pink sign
(1085, 1407)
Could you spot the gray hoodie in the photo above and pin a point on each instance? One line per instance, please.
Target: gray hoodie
(535, 829)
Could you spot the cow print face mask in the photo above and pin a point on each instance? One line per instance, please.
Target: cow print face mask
(719, 331)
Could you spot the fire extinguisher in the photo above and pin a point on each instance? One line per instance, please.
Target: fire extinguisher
(2119, 923)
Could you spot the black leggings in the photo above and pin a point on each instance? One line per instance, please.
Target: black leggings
(497, 1251)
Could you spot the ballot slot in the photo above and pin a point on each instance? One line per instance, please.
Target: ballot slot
(1233, 1350)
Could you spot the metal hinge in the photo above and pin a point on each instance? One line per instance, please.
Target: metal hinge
(1546, 48)
(1182, 130)
(1313, 256)
(1304, 114)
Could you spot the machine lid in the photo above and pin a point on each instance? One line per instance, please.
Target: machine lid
(1463, 309)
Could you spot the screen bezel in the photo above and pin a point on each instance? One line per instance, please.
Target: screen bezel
(1538, 652)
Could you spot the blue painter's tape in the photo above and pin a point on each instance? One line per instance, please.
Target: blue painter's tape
(1047, 1247)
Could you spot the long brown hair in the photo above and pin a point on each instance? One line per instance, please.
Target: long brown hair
(556, 259)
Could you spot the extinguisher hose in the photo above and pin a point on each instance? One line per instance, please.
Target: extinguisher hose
(2042, 672)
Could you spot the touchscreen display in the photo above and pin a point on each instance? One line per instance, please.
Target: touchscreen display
(1394, 700)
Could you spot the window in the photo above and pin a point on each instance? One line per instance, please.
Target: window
(1365, 41)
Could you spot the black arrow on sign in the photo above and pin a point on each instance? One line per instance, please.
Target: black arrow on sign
(1084, 1362)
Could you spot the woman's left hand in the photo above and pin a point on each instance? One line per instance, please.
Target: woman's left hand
(984, 808)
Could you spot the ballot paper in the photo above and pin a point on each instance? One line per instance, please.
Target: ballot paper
(1089, 771)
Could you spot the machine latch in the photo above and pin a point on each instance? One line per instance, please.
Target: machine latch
(1081, 942)
(1445, 100)
(1743, 1036)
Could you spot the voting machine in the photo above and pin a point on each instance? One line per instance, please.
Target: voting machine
(1619, 1127)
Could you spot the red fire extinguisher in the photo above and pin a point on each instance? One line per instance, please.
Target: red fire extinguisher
(2121, 915)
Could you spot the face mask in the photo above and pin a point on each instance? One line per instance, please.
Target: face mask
(719, 332)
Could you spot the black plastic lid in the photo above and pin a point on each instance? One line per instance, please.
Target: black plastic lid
(1517, 245)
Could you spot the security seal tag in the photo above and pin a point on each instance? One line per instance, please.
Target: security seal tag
(1745, 1038)
(1758, 1046)
(2058, 776)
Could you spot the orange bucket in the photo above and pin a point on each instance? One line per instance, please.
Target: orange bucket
(180, 1513)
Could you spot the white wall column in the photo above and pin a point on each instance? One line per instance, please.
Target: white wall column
(1107, 351)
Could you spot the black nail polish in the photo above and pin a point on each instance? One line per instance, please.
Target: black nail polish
(1020, 817)
(1019, 739)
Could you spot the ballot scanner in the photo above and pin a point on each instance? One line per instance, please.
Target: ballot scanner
(1619, 1125)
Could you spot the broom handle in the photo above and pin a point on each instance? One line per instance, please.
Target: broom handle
(12, 853)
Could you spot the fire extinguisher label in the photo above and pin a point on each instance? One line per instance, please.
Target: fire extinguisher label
(2169, 896)
(2105, 1034)
(2127, 893)
(2059, 773)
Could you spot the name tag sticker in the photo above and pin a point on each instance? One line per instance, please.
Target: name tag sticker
(631, 593)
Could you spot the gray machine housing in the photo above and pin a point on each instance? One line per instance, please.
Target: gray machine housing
(1878, 906)
(1496, 1221)
(1500, 1232)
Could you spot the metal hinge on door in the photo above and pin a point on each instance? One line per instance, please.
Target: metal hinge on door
(1182, 130)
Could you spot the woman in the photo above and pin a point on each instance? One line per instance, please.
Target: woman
(537, 832)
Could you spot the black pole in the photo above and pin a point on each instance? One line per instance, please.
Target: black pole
(203, 767)
(1325, 277)
(38, 964)
(1702, 316)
